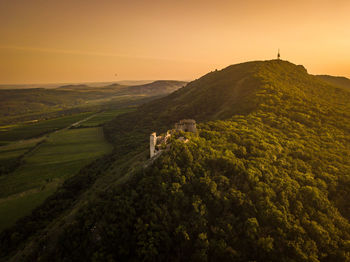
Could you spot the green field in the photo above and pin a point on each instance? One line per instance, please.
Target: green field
(62, 155)
(46, 161)
(16, 149)
(12, 153)
(106, 116)
(12, 209)
(25, 131)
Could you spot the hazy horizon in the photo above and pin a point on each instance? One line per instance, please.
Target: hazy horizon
(93, 82)
(107, 41)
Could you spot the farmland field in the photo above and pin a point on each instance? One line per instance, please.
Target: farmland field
(12, 153)
(106, 116)
(11, 209)
(25, 131)
(16, 149)
(62, 155)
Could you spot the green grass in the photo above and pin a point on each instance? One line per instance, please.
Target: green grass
(106, 116)
(61, 156)
(16, 149)
(12, 153)
(25, 131)
(14, 208)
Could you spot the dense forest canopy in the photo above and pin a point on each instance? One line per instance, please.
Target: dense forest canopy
(266, 178)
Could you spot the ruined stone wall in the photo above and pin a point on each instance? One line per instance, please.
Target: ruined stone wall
(152, 144)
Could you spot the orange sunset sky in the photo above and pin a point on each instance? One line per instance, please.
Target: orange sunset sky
(86, 41)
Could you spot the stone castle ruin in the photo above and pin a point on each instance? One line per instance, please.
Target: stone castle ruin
(156, 143)
(159, 143)
(186, 125)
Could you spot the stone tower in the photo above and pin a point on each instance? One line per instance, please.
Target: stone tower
(187, 125)
(152, 144)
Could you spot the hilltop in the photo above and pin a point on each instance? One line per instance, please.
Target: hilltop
(266, 178)
(274, 86)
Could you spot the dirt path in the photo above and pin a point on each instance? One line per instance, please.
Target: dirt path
(83, 120)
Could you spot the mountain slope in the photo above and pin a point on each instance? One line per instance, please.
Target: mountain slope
(336, 80)
(274, 86)
(246, 87)
(265, 179)
(160, 87)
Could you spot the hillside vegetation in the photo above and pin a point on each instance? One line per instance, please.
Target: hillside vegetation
(267, 178)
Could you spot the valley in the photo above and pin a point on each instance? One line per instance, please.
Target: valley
(36, 104)
(38, 155)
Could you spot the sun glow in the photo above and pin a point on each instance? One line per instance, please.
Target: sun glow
(74, 41)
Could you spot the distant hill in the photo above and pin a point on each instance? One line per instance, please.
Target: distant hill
(160, 87)
(28, 102)
(134, 82)
(90, 84)
(156, 88)
(111, 88)
(50, 85)
(73, 87)
(336, 80)
(266, 178)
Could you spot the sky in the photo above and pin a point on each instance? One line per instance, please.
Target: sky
(66, 41)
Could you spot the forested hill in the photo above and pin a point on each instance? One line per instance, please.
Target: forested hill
(276, 87)
(266, 178)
